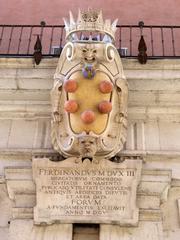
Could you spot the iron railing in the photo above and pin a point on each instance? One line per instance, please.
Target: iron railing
(131, 40)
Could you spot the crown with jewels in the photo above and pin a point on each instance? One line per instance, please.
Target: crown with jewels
(91, 21)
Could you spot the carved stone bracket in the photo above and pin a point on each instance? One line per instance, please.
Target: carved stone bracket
(21, 190)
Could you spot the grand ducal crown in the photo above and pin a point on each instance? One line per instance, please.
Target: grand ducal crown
(90, 21)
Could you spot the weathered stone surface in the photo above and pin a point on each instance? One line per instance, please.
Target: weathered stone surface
(8, 79)
(20, 229)
(4, 132)
(18, 173)
(36, 133)
(145, 230)
(150, 215)
(153, 103)
(16, 95)
(170, 210)
(35, 78)
(25, 200)
(23, 131)
(22, 213)
(86, 192)
(164, 162)
(171, 235)
(169, 133)
(55, 231)
(4, 233)
(5, 206)
(18, 186)
(14, 159)
(148, 202)
(24, 229)
(153, 133)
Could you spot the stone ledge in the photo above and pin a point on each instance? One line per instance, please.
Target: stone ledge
(175, 183)
(28, 153)
(20, 95)
(156, 98)
(150, 215)
(51, 62)
(42, 109)
(18, 154)
(19, 173)
(20, 187)
(27, 62)
(22, 213)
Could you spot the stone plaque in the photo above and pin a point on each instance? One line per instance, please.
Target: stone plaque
(74, 192)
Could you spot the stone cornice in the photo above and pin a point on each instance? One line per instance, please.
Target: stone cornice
(51, 62)
(28, 153)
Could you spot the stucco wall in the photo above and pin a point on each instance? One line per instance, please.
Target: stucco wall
(128, 12)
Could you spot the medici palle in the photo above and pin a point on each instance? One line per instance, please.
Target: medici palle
(89, 96)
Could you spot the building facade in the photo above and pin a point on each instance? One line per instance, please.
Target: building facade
(152, 134)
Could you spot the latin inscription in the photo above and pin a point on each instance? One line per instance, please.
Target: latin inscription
(86, 192)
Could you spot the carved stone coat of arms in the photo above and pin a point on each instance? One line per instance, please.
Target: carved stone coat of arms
(89, 96)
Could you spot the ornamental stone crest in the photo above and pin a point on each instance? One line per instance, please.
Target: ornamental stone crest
(89, 123)
(89, 96)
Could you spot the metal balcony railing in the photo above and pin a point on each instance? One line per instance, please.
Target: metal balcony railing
(135, 41)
